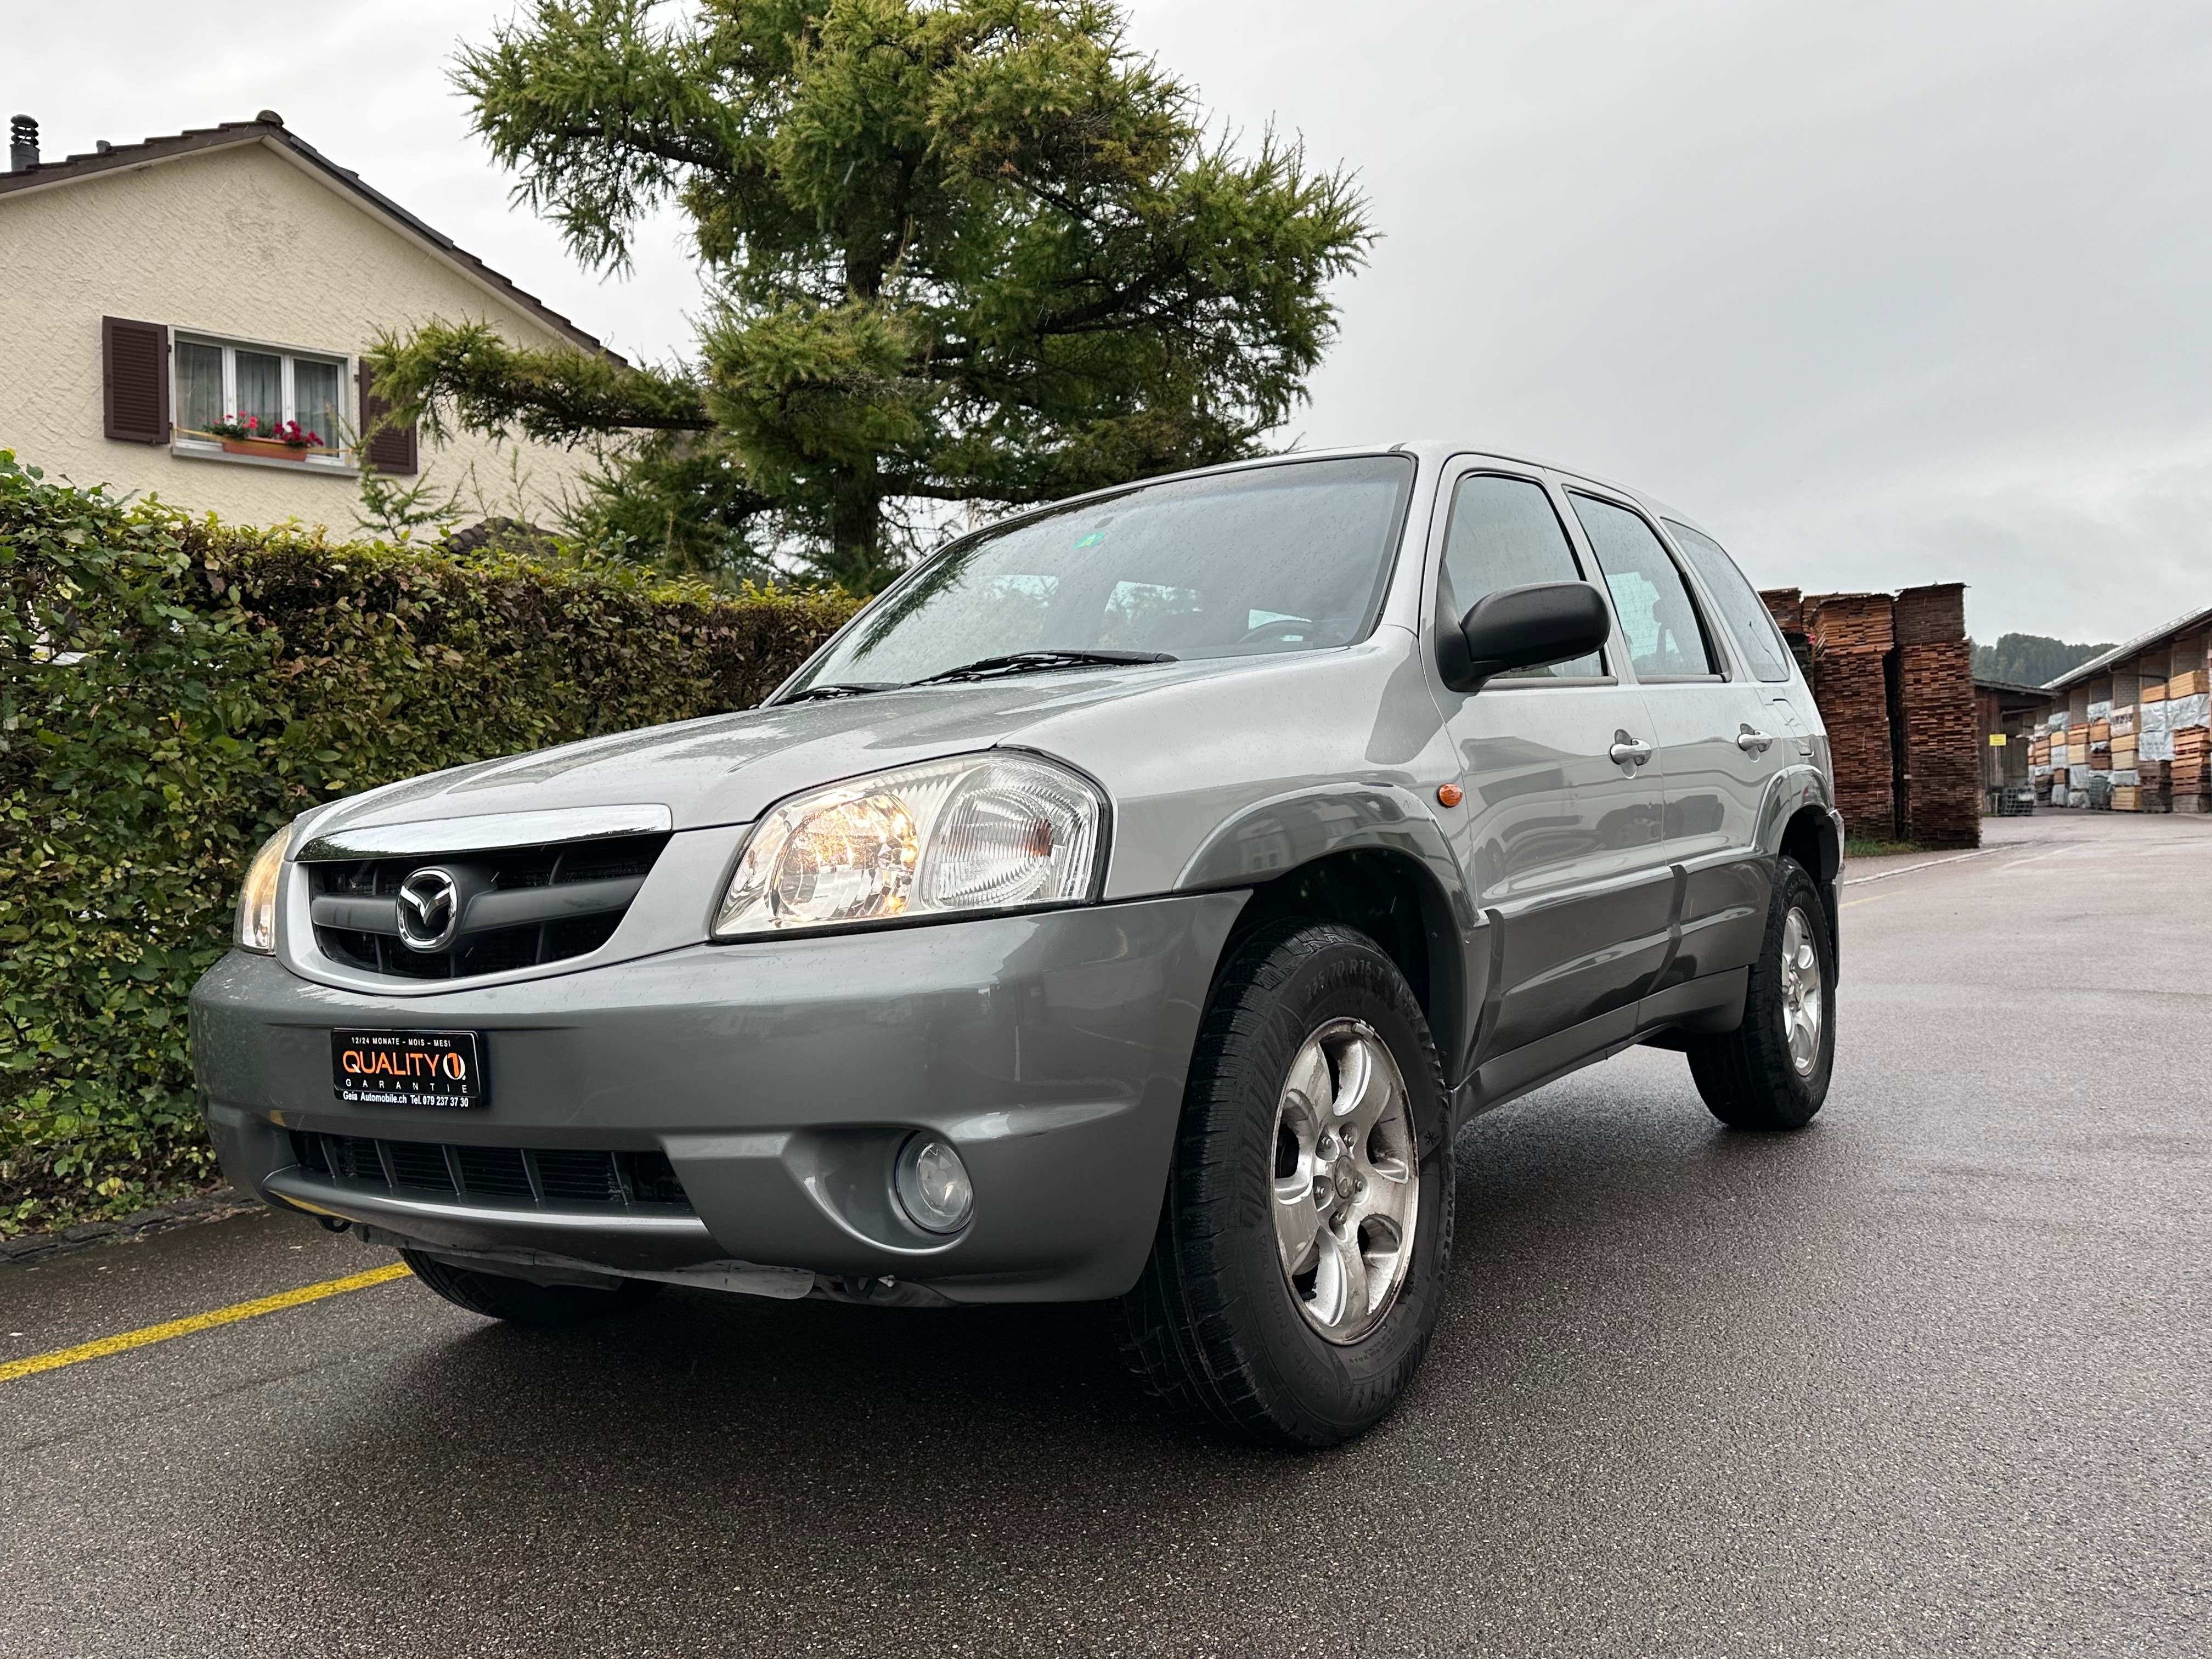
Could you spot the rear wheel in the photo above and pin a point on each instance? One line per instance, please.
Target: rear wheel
(1771, 1071)
(500, 1296)
(1299, 1266)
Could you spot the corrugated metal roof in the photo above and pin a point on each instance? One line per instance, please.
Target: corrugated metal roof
(2095, 665)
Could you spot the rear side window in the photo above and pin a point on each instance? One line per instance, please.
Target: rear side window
(1743, 613)
(1649, 597)
(1503, 533)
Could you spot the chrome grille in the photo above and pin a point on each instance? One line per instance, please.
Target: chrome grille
(520, 907)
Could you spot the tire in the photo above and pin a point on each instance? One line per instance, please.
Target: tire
(520, 1302)
(1754, 1078)
(1217, 1328)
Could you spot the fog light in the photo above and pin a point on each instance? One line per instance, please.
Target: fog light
(932, 1185)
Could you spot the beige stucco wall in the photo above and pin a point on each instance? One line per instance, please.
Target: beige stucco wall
(245, 242)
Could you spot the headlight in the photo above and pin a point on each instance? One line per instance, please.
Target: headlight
(984, 832)
(257, 900)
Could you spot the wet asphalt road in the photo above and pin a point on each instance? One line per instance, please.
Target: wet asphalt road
(1932, 1378)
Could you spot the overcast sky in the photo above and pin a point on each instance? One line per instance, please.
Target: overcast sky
(1881, 291)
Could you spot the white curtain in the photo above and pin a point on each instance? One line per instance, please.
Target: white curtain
(261, 389)
(199, 386)
(315, 396)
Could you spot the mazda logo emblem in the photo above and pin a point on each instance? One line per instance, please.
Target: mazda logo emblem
(430, 910)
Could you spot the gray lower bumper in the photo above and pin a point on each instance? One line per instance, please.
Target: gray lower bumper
(780, 1078)
(618, 1240)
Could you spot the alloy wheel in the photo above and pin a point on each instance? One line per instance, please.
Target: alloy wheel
(1800, 992)
(1347, 1193)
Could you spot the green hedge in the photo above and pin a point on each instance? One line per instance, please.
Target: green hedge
(172, 692)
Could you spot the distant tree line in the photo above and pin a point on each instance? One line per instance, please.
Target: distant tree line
(2032, 659)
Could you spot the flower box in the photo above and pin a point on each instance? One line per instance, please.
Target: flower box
(266, 447)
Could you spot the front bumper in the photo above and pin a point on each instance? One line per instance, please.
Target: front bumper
(779, 1078)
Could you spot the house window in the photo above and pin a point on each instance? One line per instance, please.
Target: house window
(223, 387)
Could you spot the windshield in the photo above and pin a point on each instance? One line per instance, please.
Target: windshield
(1263, 561)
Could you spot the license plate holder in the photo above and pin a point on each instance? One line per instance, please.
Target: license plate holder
(443, 1069)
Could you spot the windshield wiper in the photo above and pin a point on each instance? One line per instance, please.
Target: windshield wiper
(840, 688)
(1031, 662)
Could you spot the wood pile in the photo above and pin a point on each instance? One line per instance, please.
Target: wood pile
(1941, 797)
(1893, 675)
(1852, 635)
(2185, 715)
(1786, 606)
(1943, 792)
(2191, 773)
(1849, 621)
(1934, 615)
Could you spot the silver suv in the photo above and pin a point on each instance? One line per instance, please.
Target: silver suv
(1130, 904)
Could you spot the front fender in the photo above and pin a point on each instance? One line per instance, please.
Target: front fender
(1273, 837)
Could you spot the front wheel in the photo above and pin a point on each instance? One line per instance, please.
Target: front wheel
(1771, 1071)
(1300, 1261)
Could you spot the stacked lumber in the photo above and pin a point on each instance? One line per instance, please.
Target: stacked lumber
(2190, 771)
(2120, 748)
(2190, 754)
(1932, 615)
(1943, 797)
(1852, 635)
(1786, 606)
(2067, 746)
(1849, 621)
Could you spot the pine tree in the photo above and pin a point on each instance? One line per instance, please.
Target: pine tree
(960, 251)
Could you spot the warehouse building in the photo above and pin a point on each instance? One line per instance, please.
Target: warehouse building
(2129, 731)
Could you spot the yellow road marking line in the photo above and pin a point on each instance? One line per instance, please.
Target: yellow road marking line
(1873, 897)
(203, 1322)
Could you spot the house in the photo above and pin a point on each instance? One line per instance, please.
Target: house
(155, 298)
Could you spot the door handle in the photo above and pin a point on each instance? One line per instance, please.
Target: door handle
(1753, 742)
(1627, 752)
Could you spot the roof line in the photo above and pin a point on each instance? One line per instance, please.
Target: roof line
(267, 128)
(2141, 642)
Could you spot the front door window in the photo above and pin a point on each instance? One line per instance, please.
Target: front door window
(1503, 534)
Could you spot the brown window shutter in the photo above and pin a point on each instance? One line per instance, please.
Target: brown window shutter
(134, 381)
(389, 449)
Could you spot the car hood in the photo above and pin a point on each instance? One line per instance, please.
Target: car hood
(727, 768)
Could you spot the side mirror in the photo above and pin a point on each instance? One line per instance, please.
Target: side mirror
(1523, 628)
